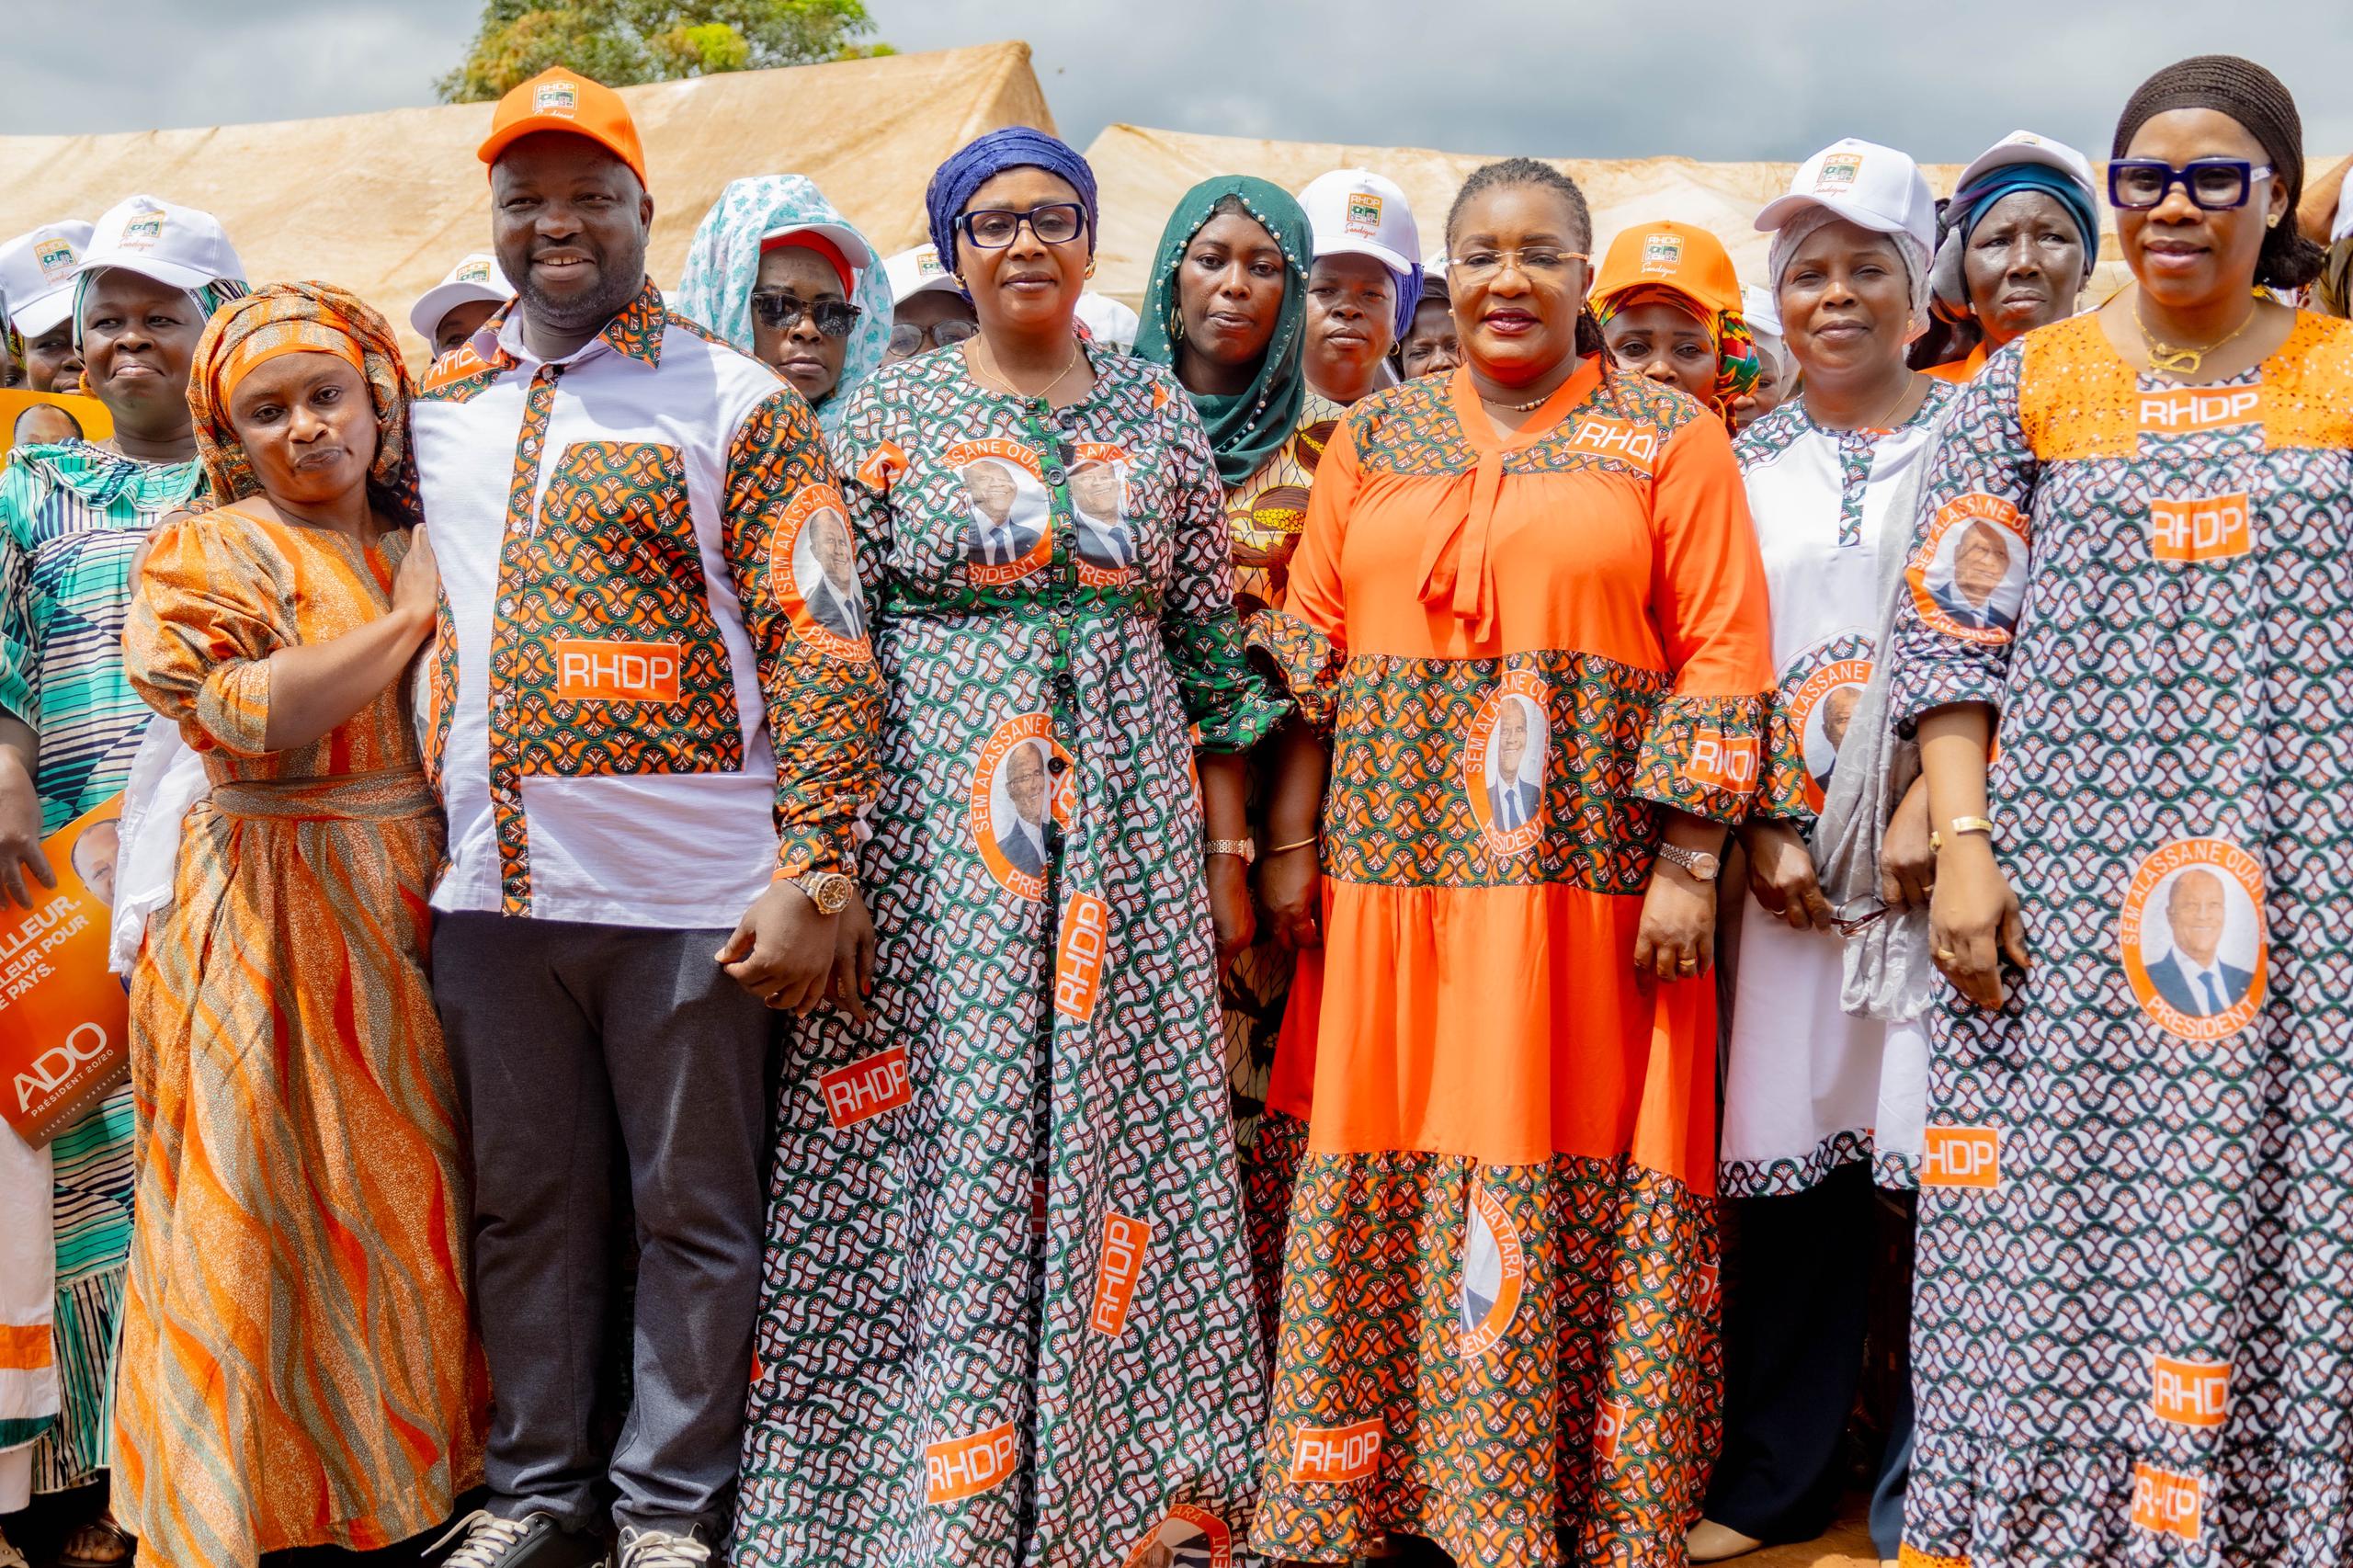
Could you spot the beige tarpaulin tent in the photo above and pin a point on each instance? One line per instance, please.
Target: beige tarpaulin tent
(385, 203)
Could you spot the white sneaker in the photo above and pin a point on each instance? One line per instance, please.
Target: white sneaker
(661, 1549)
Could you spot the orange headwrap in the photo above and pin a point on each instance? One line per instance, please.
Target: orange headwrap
(300, 318)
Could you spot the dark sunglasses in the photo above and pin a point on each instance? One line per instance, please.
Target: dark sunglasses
(834, 318)
(2216, 184)
(1054, 223)
(907, 338)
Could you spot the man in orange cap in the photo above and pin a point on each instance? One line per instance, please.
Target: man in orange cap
(650, 767)
(1670, 307)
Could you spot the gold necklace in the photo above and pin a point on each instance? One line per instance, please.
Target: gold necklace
(1078, 348)
(2173, 359)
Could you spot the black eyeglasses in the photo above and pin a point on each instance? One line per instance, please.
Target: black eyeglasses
(907, 337)
(2216, 184)
(994, 228)
(834, 318)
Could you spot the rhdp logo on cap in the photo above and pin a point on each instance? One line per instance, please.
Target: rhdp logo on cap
(1661, 253)
(1364, 213)
(927, 263)
(55, 256)
(556, 97)
(474, 272)
(143, 231)
(1838, 172)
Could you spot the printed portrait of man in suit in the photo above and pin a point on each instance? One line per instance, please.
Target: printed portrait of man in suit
(1515, 764)
(2193, 977)
(825, 568)
(999, 537)
(1021, 839)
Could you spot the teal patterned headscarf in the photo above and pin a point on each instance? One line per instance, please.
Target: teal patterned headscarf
(1244, 430)
(723, 262)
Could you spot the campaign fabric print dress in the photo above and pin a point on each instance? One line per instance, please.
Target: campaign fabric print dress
(1809, 1089)
(1499, 1301)
(1008, 1310)
(1265, 514)
(298, 1368)
(72, 517)
(2128, 1336)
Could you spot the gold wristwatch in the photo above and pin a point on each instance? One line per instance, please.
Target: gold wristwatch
(1245, 847)
(829, 891)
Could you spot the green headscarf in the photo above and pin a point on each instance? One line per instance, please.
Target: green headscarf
(1246, 428)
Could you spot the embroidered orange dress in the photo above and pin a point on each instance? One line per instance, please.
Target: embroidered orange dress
(1498, 1312)
(298, 1366)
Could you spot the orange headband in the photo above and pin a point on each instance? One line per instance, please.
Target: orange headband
(285, 338)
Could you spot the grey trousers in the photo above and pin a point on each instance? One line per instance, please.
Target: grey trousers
(559, 1034)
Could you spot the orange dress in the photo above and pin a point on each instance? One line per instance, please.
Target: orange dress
(298, 1366)
(1498, 1310)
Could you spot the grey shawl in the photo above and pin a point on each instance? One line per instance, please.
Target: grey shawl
(1889, 972)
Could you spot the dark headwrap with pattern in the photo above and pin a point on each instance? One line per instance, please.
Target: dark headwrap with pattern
(280, 317)
(1246, 428)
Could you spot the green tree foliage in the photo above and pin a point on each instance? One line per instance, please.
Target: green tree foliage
(622, 42)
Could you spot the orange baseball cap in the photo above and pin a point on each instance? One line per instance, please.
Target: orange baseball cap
(1679, 257)
(563, 100)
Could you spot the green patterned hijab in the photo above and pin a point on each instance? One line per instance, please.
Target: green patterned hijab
(1246, 428)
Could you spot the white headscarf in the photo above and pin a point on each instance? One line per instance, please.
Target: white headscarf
(1916, 259)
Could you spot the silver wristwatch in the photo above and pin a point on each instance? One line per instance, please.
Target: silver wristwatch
(1702, 866)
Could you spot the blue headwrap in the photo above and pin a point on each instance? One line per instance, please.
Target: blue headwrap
(1970, 207)
(986, 157)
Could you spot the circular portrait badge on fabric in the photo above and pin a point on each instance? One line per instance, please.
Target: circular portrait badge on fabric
(1022, 782)
(813, 571)
(1105, 542)
(1189, 1537)
(1819, 692)
(1504, 761)
(1495, 1273)
(1011, 534)
(1968, 578)
(2192, 937)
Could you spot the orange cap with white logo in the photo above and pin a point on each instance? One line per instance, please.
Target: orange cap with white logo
(1679, 257)
(563, 100)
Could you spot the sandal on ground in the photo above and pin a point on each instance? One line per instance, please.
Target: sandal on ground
(97, 1543)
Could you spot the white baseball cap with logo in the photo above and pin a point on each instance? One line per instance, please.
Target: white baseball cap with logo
(2026, 147)
(916, 271)
(37, 275)
(1872, 186)
(1356, 212)
(475, 279)
(176, 245)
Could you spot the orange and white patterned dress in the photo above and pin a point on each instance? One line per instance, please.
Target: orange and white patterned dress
(298, 1364)
(1498, 1307)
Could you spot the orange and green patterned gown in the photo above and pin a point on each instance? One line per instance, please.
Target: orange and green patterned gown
(297, 1367)
(1499, 1308)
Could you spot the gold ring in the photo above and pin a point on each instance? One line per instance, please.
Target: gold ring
(1945, 955)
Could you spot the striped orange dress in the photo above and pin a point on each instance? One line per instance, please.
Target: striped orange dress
(297, 1367)
(1498, 1304)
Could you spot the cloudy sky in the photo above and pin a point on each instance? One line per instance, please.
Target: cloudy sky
(1577, 78)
